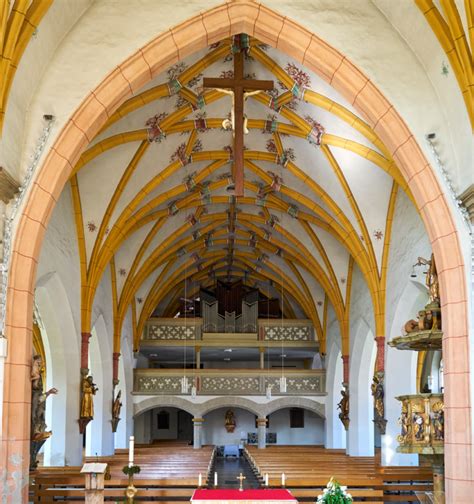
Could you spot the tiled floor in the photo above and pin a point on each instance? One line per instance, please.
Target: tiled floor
(229, 468)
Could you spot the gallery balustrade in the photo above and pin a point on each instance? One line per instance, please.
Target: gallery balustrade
(228, 382)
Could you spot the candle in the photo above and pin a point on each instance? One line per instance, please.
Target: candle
(200, 480)
(215, 479)
(283, 478)
(131, 447)
(266, 479)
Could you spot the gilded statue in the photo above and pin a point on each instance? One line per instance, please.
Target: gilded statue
(437, 421)
(116, 407)
(418, 426)
(89, 390)
(343, 405)
(432, 282)
(404, 424)
(39, 434)
(230, 421)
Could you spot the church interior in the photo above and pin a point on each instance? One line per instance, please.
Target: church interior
(237, 251)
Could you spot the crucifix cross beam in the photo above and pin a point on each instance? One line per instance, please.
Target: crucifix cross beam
(238, 87)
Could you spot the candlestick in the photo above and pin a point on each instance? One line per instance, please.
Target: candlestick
(283, 479)
(215, 479)
(131, 448)
(200, 480)
(266, 479)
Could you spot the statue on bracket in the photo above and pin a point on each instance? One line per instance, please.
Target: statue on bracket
(116, 407)
(88, 391)
(432, 282)
(343, 405)
(379, 407)
(230, 421)
(39, 434)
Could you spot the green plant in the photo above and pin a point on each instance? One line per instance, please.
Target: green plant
(334, 493)
(131, 470)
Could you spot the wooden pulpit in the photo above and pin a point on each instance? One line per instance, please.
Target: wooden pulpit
(95, 475)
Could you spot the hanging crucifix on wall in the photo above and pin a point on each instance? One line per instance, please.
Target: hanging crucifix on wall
(240, 89)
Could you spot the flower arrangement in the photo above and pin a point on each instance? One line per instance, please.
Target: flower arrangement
(334, 493)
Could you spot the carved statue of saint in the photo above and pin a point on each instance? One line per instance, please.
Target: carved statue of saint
(378, 393)
(431, 279)
(437, 421)
(343, 405)
(418, 426)
(230, 421)
(39, 434)
(87, 402)
(405, 424)
(116, 407)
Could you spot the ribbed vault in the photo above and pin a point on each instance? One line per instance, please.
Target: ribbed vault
(155, 209)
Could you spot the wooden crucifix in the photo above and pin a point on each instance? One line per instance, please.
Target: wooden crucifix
(240, 88)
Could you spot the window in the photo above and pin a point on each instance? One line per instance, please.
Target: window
(296, 418)
(163, 420)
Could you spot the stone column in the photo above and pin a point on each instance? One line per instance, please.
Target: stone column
(262, 357)
(197, 443)
(262, 432)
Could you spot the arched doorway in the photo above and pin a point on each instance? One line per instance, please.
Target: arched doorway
(163, 423)
(195, 34)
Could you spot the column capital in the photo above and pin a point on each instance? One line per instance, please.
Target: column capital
(262, 422)
(198, 420)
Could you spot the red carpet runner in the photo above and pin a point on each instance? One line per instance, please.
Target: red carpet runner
(224, 496)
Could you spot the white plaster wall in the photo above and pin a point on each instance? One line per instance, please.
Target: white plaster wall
(58, 296)
(213, 428)
(311, 434)
(125, 427)
(214, 431)
(335, 434)
(172, 432)
(143, 428)
(99, 435)
(64, 447)
(59, 306)
(360, 436)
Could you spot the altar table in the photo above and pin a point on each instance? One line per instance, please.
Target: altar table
(230, 496)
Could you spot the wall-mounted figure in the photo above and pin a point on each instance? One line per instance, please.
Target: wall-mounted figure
(230, 421)
(116, 407)
(343, 405)
(88, 391)
(39, 434)
(378, 392)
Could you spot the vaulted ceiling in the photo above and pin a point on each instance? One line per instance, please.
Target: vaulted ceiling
(153, 194)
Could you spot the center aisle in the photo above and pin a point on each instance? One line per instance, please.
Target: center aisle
(229, 468)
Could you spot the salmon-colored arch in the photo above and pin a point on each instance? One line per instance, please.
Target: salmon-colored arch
(168, 48)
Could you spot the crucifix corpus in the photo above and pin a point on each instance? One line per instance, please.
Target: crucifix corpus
(241, 479)
(240, 88)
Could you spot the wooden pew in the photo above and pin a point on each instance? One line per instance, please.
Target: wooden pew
(309, 468)
(170, 473)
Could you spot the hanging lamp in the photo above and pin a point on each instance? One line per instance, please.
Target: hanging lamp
(184, 379)
(283, 387)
